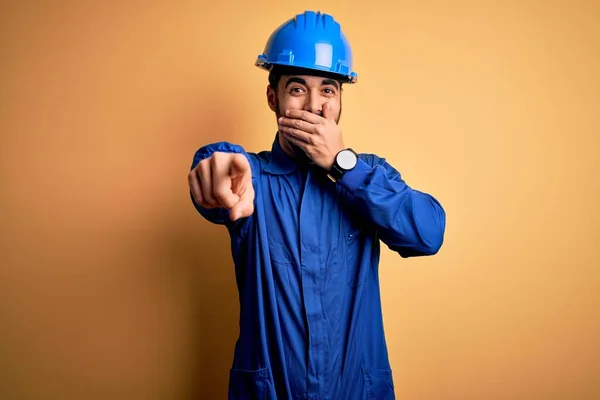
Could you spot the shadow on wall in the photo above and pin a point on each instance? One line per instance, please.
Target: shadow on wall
(199, 253)
(204, 254)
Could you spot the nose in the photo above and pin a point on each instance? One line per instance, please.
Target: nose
(313, 103)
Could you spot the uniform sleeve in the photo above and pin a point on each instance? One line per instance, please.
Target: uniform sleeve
(216, 215)
(409, 222)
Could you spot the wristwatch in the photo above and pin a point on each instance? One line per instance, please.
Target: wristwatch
(344, 161)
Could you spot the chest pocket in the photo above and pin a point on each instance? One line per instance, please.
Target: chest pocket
(280, 253)
(357, 242)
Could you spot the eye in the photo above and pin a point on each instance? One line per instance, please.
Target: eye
(329, 91)
(296, 90)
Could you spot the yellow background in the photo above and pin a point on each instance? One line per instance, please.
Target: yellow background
(113, 287)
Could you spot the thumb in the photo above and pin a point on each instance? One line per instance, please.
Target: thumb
(240, 165)
(328, 112)
(245, 207)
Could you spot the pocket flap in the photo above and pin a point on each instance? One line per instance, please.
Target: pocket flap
(379, 383)
(250, 384)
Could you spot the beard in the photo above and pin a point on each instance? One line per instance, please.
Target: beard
(299, 154)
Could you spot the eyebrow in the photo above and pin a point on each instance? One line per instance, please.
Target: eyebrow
(303, 82)
(330, 82)
(295, 80)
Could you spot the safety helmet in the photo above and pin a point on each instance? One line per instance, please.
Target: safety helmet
(312, 40)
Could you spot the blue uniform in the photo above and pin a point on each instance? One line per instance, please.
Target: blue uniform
(306, 266)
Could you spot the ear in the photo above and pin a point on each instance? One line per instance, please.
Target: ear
(271, 98)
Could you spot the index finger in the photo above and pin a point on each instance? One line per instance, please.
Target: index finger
(221, 179)
(304, 115)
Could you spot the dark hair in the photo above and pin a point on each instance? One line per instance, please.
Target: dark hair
(278, 70)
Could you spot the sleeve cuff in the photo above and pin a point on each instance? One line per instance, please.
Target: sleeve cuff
(354, 178)
(208, 150)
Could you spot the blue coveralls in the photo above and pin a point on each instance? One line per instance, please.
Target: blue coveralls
(306, 266)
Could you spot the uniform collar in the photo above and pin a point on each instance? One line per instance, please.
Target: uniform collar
(280, 163)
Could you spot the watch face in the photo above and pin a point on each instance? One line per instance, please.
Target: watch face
(346, 159)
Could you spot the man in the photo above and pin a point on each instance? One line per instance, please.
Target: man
(306, 220)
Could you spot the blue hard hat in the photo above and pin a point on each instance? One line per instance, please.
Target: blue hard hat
(312, 40)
